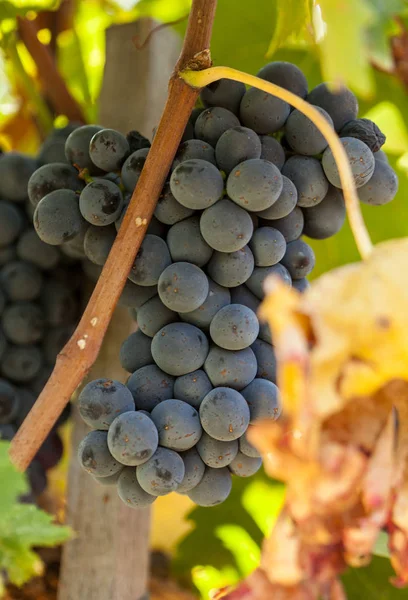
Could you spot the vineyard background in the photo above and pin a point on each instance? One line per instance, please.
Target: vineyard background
(363, 43)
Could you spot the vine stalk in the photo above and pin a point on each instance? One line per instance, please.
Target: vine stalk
(79, 354)
(202, 78)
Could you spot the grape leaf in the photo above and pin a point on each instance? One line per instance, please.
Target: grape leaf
(10, 9)
(342, 62)
(292, 17)
(22, 525)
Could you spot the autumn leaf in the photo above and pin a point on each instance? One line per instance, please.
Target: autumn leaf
(341, 445)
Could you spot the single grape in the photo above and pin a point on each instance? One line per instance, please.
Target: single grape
(37, 479)
(162, 474)
(9, 402)
(132, 168)
(229, 368)
(218, 296)
(94, 455)
(265, 358)
(178, 424)
(235, 146)
(188, 133)
(382, 187)
(231, 269)
(301, 285)
(154, 315)
(183, 287)
(308, 176)
(52, 151)
(195, 113)
(51, 451)
(192, 388)
(111, 479)
(226, 93)
(263, 112)
(216, 454)
(101, 202)
(255, 184)
(59, 302)
(168, 210)
(52, 177)
(132, 438)
(234, 327)
(149, 386)
(75, 248)
(7, 432)
(299, 259)
(256, 282)
(286, 75)
(179, 348)
(242, 295)
(151, 260)
(214, 487)
(186, 242)
(130, 491)
(268, 246)
(11, 223)
(225, 226)
(224, 414)
(134, 296)
(291, 226)
(381, 155)
(246, 448)
(21, 281)
(193, 470)
(213, 122)
(303, 136)
(54, 341)
(23, 323)
(3, 301)
(108, 149)
(135, 352)
(194, 149)
(98, 243)
(366, 131)
(244, 466)
(341, 105)
(327, 218)
(263, 400)
(284, 204)
(102, 400)
(57, 217)
(272, 151)
(15, 172)
(196, 184)
(31, 249)
(361, 160)
(77, 147)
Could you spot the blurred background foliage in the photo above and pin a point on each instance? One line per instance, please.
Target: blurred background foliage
(362, 43)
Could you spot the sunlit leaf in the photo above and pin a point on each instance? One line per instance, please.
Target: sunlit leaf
(208, 579)
(342, 49)
(264, 501)
(389, 119)
(9, 9)
(292, 17)
(245, 551)
(372, 582)
(13, 482)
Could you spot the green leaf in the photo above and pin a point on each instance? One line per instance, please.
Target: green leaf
(381, 545)
(390, 120)
(264, 501)
(292, 17)
(20, 563)
(246, 552)
(208, 579)
(29, 526)
(10, 9)
(372, 582)
(14, 483)
(343, 53)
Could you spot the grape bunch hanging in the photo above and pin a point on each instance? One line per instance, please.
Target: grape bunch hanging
(250, 178)
(39, 304)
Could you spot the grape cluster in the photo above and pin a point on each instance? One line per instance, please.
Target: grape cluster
(250, 177)
(39, 304)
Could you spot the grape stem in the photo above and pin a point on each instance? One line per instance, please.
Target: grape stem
(200, 79)
(79, 354)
